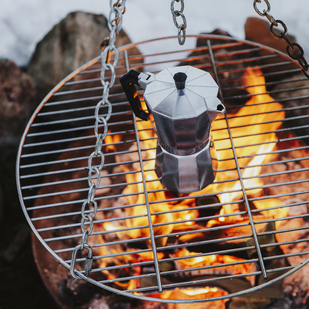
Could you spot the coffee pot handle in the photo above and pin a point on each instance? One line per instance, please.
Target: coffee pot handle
(128, 82)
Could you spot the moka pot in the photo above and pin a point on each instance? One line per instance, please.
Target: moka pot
(182, 103)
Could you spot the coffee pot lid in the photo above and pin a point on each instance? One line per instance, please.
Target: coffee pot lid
(182, 92)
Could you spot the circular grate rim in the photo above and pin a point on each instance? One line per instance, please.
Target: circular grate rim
(56, 256)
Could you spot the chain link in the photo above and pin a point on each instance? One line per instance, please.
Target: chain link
(117, 9)
(294, 50)
(180, 26)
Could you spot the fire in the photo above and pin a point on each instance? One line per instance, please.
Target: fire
(207, 292)
(207, 260)
(253, 141)
(111, 141)
(200, 291)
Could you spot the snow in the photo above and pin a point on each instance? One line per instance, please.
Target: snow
(23, 23)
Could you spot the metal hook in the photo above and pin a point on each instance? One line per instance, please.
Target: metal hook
(88, 261)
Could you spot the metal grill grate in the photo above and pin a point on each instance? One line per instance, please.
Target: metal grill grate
(199, 242)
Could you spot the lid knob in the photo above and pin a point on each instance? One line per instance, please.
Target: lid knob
(180, 80)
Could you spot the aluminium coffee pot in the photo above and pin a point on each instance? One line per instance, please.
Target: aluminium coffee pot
(182, 103)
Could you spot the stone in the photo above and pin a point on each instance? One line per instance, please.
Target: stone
(17, 96)
(258, 30)
(71, 43)
(17, 102)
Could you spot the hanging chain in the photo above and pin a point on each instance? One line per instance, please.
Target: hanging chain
(294, 50)
(182, 26)
(94, 172)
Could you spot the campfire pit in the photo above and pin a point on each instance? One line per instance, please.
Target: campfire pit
(244, 232)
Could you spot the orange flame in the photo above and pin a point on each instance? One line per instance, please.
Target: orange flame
(252, 129)
(207, 292)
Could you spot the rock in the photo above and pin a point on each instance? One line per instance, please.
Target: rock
(17, 94)
(295, 288)
(293, 90)
(17, 97)
(71, 43)
(293, 93)
(258, 30)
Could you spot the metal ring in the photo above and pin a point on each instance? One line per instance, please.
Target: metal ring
(110, 67)
(281, 34)
(98, 144)
(96, 127)
(83, 210)
(109, 110)
(73, 259)
(107, 51)
(181, 36)
(303, 63)
(184, 21)
(105, 94)
(96, 171)
(95, 206)
(271, 19)
(120, 4)
(258, 11)
(91, 194)
(93, 155)
(286, 39)
(88, 217)
(173, 6)
(117, 18)
(84, 240)
(299, 48)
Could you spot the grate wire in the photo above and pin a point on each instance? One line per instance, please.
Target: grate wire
(52, 180)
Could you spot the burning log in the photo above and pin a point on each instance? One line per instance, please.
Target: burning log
(232, 237)
(212, 265)
(208, 292)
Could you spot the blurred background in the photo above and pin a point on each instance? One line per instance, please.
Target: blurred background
(24, 23)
